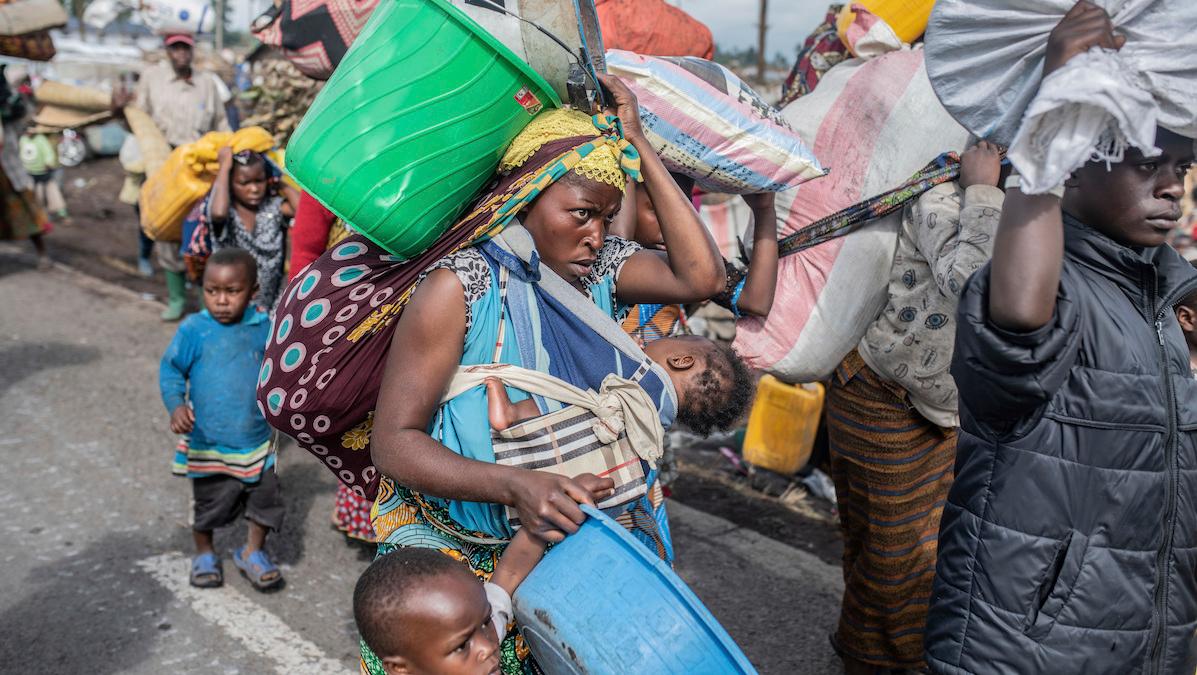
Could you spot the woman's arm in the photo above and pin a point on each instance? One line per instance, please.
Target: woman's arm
(425, 353)
(624, 225)
(693, 269)
(760, 283)
(219, 198)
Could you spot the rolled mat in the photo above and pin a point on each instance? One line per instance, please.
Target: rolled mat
(61, 118)
(151, 142)
(69, 96)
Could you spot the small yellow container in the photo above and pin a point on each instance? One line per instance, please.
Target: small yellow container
(782, 425)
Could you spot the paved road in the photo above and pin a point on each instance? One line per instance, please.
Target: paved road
(96, 540)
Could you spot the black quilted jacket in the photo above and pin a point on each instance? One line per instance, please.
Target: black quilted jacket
(1069, 541)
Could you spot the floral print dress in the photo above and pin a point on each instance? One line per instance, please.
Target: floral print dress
(266, 242)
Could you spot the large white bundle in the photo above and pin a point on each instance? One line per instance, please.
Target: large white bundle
(160, 16)
(985, 59)
(878, 123)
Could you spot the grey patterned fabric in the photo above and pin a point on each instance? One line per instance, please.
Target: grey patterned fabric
(946, 236)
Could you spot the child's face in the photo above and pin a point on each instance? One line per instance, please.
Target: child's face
(227, 291)
(648, 229)
(448, 630)
(1137, 201)
(249, 184)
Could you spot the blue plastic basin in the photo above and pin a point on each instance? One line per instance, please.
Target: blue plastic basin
(600, 603)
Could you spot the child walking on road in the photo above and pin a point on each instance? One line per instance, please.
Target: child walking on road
(40, 159)
(1068, 541)
(208, 379)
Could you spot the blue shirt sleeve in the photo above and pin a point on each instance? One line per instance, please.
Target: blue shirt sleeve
(174, 368)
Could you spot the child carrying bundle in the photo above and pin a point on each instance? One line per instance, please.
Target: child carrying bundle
(1067, 539)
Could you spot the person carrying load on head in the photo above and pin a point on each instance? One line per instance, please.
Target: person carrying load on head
(891, 419)
(541, 295)
(1068, 537)
(250, 207)
(185, 104)
(464, 295)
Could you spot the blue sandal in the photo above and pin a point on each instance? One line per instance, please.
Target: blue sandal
(206, 571)
(258, 569)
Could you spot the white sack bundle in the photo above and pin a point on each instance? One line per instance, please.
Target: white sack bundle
(985, 60)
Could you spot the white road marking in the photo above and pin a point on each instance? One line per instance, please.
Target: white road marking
(253, 626)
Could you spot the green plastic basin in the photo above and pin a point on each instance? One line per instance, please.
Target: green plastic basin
(413, 122)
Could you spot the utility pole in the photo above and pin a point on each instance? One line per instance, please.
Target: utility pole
(77, 7)
(220, 25)
(762, 28)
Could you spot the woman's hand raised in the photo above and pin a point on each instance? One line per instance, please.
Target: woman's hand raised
(622, 103)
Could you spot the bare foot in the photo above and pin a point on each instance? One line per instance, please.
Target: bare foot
(498, 405)
(502, 412)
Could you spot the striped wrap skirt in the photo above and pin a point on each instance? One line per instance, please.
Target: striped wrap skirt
(892, 469)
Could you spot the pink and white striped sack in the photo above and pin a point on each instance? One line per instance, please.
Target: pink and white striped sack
(729, 220)
(875, 123)
(706, 123)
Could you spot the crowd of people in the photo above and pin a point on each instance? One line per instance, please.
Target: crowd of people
(1013, 442)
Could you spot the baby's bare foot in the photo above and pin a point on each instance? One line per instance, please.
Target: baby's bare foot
(498, 406)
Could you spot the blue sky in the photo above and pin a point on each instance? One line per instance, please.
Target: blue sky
(734, 21)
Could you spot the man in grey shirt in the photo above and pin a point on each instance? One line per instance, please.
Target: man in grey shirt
(185, 105)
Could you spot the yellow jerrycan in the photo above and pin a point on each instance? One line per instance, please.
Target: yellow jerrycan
(782, 425)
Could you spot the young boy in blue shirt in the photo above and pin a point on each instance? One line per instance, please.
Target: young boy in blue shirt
(208, 379)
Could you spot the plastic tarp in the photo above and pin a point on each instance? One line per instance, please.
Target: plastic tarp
(160, 16)
(653, 27)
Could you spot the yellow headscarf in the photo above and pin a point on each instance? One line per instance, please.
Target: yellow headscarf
(609, 158)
